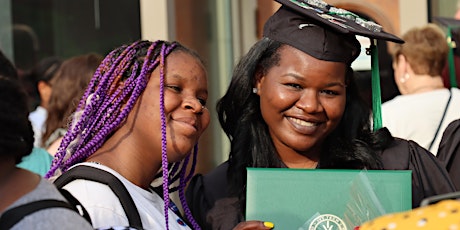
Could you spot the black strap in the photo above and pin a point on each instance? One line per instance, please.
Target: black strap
(16, 214)
(75, 204)
(101, 176)
(442, 119)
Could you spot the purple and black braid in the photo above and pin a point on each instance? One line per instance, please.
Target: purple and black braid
(111, 94)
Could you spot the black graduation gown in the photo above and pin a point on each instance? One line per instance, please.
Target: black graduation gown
(211, 206)
(449, 151)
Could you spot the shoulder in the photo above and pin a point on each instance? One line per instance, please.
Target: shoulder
(396, 101)
(217, 175)
(204, 191)
(104, 205)
(95, 197)
(44, 190)
(50, 218)
(450, 141)
(99, 200)
(396, 155)
(405, 103)
(90, 192)
(394, 107)
(408, 155)
(38, 115)
(53, 218)
(391, 102)
(429, 177)
(455, 91)
(455, 95)
(401, 153)
(212, 185)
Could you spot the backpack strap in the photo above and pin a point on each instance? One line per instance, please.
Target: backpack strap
(75, 204)
(440, 122)
(16, 214)
(103, 177)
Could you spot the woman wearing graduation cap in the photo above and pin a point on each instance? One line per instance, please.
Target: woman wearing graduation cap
(293, 103)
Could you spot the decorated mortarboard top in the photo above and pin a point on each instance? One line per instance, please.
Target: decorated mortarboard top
(453, 35)
(329, 33)
(338, 19)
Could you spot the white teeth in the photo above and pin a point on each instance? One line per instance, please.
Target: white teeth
(302, 122)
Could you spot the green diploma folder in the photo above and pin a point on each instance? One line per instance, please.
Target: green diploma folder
(326, 199)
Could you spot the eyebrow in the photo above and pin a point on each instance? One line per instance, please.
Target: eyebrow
(302, 78)
(336, 84)
(180, 77)
(176, 76)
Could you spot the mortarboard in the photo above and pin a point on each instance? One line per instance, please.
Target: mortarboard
(453, 37)
(329, 33)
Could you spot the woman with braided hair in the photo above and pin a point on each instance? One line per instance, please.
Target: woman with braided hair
(139, 119)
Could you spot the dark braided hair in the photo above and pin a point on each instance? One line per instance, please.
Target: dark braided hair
(111, 94)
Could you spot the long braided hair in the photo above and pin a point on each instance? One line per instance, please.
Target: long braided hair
(111, 94)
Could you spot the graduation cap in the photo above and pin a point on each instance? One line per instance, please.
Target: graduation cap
(453, 37)
(329, 33)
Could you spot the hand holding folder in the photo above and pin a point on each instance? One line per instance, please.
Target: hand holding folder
(307, 199)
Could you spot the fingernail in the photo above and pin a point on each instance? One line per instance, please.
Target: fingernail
(269, 224)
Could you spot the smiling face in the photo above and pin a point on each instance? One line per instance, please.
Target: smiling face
(302, 100)
(185, 96)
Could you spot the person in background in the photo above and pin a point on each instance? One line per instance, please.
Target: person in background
(19, 186)
(41, 75)
(68, 86)
(139, 119)
(38, 161)
(425, 107)
(293, 103)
